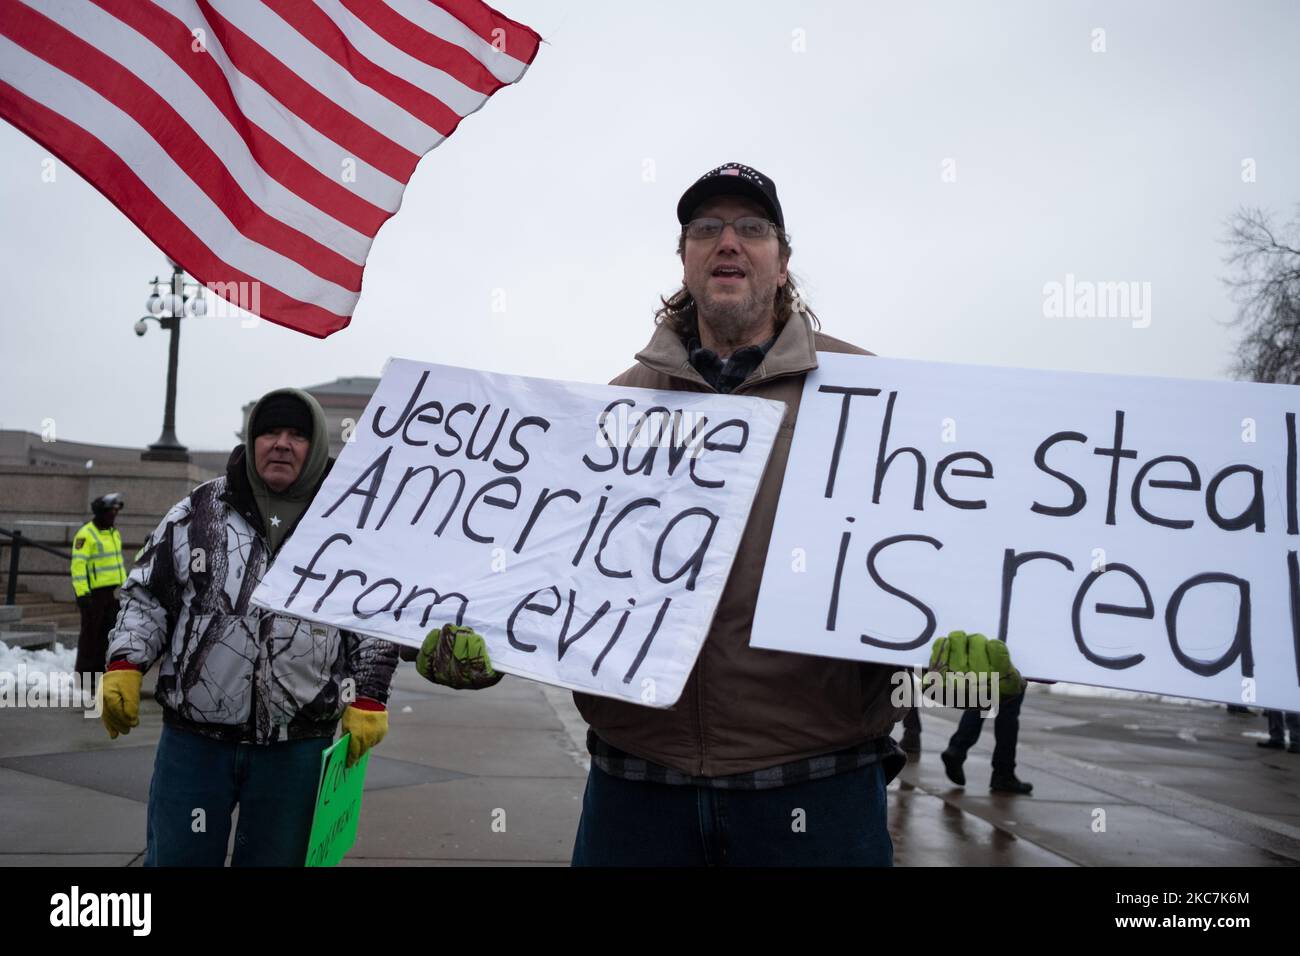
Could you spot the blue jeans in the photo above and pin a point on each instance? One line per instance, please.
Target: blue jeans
(1006, 730)
(274, 786)
(836, 821)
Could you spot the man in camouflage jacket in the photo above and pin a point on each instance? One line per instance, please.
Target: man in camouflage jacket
(250, 698)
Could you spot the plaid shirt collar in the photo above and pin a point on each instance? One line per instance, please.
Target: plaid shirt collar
(726, 375)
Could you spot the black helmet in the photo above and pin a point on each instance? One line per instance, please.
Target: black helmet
(106, 503)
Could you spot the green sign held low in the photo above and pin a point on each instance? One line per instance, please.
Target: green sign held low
(338, 805)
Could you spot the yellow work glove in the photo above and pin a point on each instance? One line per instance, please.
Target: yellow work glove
(121, 700)
(367, 722)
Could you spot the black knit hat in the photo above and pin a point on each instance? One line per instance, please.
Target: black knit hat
(732, 179)
(281, 411)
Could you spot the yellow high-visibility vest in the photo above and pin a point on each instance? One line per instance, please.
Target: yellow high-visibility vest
(96, 559)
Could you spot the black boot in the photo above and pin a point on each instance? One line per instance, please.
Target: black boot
(1009, 783)
(952, 762)
(1273, 743)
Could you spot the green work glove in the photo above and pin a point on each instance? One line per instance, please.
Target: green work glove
(960, 653)
(456, 657)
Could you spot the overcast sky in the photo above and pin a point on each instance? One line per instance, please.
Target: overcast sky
(938, 163)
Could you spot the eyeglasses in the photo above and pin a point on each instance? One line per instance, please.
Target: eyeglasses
(747, 227)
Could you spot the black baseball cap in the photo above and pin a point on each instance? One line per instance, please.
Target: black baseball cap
(732, 179)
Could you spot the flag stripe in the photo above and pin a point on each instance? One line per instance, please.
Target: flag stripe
(325, 155)
(386, 123)
(357, 50)
(320, 191)
(521, 42)
(101, 166)
(420, 48)
(213, 173)
(260, 143)
(471, 25)
(304, 101)
(155, 169)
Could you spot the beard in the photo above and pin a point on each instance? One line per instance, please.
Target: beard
(732, 320)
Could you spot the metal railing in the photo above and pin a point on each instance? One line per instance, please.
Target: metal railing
(18, 541)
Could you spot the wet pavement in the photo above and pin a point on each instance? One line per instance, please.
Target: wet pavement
(496, 778)
(1116, 782)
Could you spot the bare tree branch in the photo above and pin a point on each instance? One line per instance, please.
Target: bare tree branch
(1265, 285)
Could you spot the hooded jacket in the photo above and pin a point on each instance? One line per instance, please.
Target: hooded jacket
(746, 709)
(280, 510)
(228, 669)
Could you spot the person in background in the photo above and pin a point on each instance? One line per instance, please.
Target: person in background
(976, 653)
(1279, 722)
(911, 742)
(97, 572)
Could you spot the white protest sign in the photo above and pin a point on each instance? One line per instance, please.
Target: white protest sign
(586, 531)
(1137, 533)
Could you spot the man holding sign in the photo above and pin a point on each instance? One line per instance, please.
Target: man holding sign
(250, 698)
(767, 758)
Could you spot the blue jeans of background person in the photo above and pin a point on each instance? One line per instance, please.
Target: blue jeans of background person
(1006, 728)
(274, 786)
(836, 821)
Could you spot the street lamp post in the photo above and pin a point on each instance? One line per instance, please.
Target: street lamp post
(168, 311)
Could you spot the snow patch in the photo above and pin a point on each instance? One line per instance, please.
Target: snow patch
(62, 660)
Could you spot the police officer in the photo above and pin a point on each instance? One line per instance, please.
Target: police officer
(97, 571)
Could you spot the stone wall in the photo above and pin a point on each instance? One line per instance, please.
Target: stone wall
(48, 503)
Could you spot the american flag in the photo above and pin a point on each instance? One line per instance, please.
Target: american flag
(259, 143)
